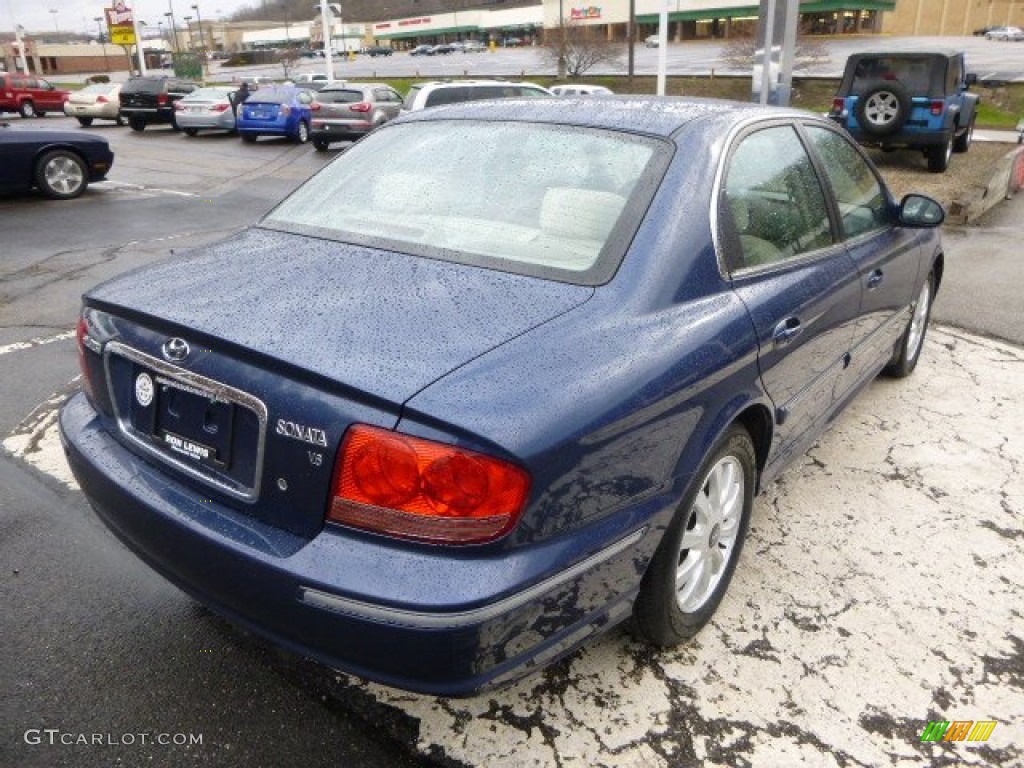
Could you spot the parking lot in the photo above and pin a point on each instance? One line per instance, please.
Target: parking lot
(879, 590)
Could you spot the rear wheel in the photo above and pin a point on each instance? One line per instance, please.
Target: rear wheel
(27, 108)
(694, 563)
(247, 137)
(321, 145)
(136, 124)
(85, 121)
(61, 174)
(302, 132)
(119, 120)
(191, 131)
(905, 356)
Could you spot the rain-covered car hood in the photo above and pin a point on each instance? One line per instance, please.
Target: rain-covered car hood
(383, 322)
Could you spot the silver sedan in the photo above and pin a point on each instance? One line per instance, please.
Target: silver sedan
(206, 108)
(98, 101)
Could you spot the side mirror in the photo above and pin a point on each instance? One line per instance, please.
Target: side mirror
(920, 211)
(971, 79)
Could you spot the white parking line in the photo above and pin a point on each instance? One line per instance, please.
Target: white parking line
(144, 188)
(17, 346)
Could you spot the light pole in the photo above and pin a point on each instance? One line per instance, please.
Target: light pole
(202, 38)
(561, 41)
(188, 26)
(103, 42)
(174, 30)
(56, 27)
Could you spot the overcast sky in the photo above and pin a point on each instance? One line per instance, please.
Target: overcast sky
(78, 15)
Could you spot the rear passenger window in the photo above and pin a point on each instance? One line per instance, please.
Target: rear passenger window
(774, 199)
(862, 202)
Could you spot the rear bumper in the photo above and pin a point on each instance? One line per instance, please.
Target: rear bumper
(452, 623)
(147, 114)
(916, 138)
(98, 111)
(224, 121)
(339, 129)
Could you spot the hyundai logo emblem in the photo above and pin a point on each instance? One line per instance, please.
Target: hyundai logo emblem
(175, 350)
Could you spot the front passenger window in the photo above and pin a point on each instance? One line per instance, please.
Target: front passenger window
(862, 202)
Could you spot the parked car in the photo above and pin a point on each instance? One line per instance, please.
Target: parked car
(513, 42)
(652, 41)
(277, 111)
(918, 100)
(60, 164)
(575, 89)
(499, 377)
(210, 108)
(422, 50)
(311, 78)
(351, 110)
(474, 46)
(98, 101)
(378, 50)
(442, 49)
(149, 100)
(29, 96)
(432, 94)
(1014, 34)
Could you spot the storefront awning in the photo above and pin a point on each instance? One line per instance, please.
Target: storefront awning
(404, 34)
(818, 6)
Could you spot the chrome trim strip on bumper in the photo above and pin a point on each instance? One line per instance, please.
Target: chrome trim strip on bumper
(209, 387)
(440, 620)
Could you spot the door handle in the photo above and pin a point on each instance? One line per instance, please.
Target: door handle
(875, 279)
(786, 331)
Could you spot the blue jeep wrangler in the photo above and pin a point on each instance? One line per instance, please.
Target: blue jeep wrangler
(918, 100)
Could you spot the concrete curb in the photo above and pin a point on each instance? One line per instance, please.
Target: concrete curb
(1007, 178)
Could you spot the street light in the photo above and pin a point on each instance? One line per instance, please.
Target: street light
(202, 38)
(56, 28)
(103, 42)
(188, 26)
(174, 31)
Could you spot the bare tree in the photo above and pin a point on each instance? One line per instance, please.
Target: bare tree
(580, 47)
(738, 53)
(287, 59)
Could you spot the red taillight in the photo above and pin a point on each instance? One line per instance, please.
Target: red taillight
(418, 489)
(837, 106)
(315, 106)
(161, 99)
(82, 334)
(102, 99)
(179, 107)
(220, 107)
(362, 106)
(936, 107)
(285, 110)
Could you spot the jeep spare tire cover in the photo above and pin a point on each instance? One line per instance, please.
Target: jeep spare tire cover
(883, 108)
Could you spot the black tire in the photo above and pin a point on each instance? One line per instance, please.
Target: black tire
(882, 108)
(939, 155)
(119, 120)
(85, 122)
(658, 614)
(321, 145)
(191, 131)
(908, 349)
(248, 137)
(27, 109)
(962, 142)
(136, 124)
(61, 174)
(302, 132)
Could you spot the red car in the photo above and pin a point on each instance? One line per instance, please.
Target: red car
(30, 96)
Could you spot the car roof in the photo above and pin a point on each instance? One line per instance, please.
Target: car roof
(660, 116)
(945, 53)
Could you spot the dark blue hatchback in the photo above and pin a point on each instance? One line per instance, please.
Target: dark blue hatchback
(522, 386)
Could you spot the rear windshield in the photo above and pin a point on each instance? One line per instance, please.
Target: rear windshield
(914, 72)
(456, 94)
(143, 85)
(98, 88)
(210, 94)
(339, 97)
(270, 96)
(539, 199)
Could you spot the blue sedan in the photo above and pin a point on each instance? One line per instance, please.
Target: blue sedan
(276, 111)
(522, 387)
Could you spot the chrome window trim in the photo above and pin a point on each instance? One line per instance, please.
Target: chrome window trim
(317, 598)
(214, 389)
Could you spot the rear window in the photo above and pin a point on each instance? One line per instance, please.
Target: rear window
(210, 94)
(914, 72)
(98, 88)
(551, 201)
(339, 97)
(142, 85)
(270, 96)
(410, 97)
